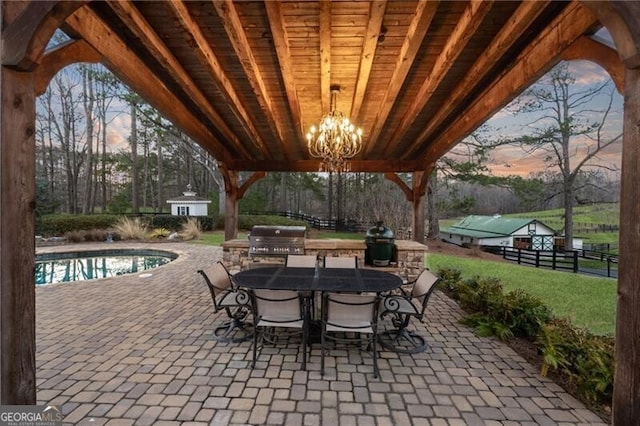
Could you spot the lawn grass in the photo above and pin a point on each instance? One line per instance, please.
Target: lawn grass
(589, 302)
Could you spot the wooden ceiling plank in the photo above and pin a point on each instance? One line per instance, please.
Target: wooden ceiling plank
(376, 14)
(464, 30)
(235, 31)
(283, 51)
(130, 15)
(425, 12)
(210, 62)
(501, 43)
(536, 59)
(129, 68)
(325, 54)
(588, 49)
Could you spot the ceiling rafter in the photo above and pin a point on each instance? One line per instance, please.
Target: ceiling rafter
(210, 61)
(374, 26)
(462, 33)
(129, 68)
(130, 15)
(281, 45)
(536, 59)
(514, 29)
(425, 12)
(235, 32)
(325, 54)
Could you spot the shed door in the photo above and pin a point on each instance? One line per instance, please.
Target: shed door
(542, 242)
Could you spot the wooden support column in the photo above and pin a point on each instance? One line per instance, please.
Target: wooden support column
(17, 238)
(626, 392)
(231, 203)
(415, 195)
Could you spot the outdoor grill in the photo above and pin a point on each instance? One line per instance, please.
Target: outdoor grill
(276, 240)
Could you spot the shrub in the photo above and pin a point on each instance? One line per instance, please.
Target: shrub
(525, 314)
(175, 223)
(130, 229)
(74, 236)
(191, 229)
(60, 224)
(159, 233)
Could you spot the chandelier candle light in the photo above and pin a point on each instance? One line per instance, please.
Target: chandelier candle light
(336, 140)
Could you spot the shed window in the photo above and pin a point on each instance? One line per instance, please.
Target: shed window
(183, 210)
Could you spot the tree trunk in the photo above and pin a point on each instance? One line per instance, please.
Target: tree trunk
(87, 102)
(135, 198)
(433, 233)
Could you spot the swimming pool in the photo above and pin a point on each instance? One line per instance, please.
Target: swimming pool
(89, 265)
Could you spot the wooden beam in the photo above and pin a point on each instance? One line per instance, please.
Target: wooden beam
(425, 12)
(393, 177)
(419, 187)
(281, 44)
(211, 63)
(588, 49)
(235, 31)
(325, 54)
(374, 27)
(65, 54)
(626, 392)
(27, 28)
(621, 19)
(465, 28)
(131, 17)
(526, 13)
(17, 238)
(129, 68)
(247, 183)
(372, 166)
(230, 178)
(542, 54)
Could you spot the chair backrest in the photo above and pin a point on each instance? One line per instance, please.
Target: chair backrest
(423, 287)
(277, 305)
(351, 311)
(218, 281)
(341, 262)
(301, 260)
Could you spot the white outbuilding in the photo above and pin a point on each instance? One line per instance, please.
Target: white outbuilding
(189, 204)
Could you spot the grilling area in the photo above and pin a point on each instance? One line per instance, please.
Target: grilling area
(269, 246)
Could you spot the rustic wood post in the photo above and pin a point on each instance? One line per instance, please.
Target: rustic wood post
(17, 238)
(230, 204)
(626, 393)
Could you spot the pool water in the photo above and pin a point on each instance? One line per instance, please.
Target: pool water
(88, 265)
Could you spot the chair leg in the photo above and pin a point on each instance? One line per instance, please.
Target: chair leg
(401, 339)
(255, 347)
(376, 371)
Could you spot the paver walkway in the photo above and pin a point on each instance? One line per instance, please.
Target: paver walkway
(139, 350)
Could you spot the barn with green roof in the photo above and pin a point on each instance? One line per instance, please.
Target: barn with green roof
(503, 231)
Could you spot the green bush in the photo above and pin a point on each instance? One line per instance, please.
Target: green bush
(61, 224)
(585, 358)
(175, 223)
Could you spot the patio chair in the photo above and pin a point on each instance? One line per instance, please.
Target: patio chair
(341, 262)
(344, 314)
(235, 302)
(401, 308)
(275, 309)
(301, 260)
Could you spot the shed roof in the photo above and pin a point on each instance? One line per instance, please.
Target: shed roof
(489, 226)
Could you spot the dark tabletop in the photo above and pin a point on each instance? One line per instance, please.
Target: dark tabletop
(318, 279)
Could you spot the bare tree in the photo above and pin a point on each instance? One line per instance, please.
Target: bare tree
(569, 129)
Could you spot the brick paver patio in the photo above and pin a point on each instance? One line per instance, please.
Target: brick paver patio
(139, 350)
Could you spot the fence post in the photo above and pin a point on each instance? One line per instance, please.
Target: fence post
(553, 259)
(575, 261)
(537, 258)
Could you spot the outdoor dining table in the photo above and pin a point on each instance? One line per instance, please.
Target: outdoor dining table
(352, 280)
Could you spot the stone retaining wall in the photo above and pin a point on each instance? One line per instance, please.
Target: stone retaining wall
(410, 262)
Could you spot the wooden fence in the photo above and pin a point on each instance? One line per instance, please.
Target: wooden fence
(556, 260)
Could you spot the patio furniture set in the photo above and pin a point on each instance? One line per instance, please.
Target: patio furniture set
(331, 302)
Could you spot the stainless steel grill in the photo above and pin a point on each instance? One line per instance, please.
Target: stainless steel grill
(276, 240)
